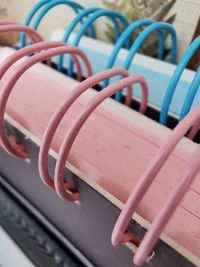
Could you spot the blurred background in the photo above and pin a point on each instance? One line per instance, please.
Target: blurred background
(183, 14)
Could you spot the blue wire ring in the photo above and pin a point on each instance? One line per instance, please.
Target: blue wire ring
(140, 40)
(29, 17)
(113, 15)
(75, 6)
(174, 81)
(126, 34)
(70, 29)
(190, 95)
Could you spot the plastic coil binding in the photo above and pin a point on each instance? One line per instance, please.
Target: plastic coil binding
(174, 81)
(59, 183)
(147, 244)
(113, 15)
(158, 26)
(44, 51)
(7, 26)
(78, 19)
(53, 48)
(126, 34)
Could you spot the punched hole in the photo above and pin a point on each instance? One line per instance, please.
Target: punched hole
(18, 147)
(72, 191)
(133, 243)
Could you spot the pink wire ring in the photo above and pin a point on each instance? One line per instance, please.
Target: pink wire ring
(194, 130)
(151, 237)
(78, 123)
(33, 35)
(9, 26)
(62, 110)
(37, 47)
(10, 60)
(17, 73)
(7, 22)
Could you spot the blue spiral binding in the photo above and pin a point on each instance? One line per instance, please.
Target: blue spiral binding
(79, 17)
(30, 16)
(49, 5)
(190, 95)
(75, 6)
(142, 37)
(113, 15)
(174, 81)
(126, 34)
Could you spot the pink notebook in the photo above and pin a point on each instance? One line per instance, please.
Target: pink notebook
(114, 149)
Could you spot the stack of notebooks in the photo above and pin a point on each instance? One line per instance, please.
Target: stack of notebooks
(100, 142)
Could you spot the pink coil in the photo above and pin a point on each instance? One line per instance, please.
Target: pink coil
(60, 184)
(147, 244)
(61, 111)
(7, 22)
(17, 73)
(15, 27)
(9, 61)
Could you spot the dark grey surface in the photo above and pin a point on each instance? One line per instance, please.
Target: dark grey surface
(36, 242)
(88, 225)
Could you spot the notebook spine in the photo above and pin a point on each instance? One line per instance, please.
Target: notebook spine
(147, 244)
(22, 67)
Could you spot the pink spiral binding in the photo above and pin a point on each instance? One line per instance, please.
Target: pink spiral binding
(15, 26)
(17, 73)
(62, 110)
(33, 35)
(7, 22)
(76, 126)
(6, 64)
(151, 237)
(195, 128)
(9, 61)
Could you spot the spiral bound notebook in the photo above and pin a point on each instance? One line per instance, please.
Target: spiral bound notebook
(162, 77)
(101, 155)
(168, 94)
(103, 167)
